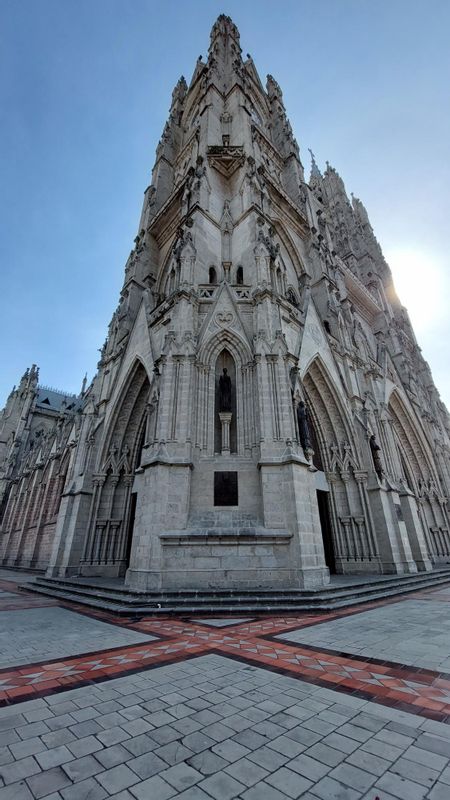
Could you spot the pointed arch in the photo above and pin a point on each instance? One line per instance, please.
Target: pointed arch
(230, 339)
(225, 364)
(107, 543)
(289, 246)
(167, 271)
(412, 439)
(350, 526)
(331, 419)
(416, 460)
(133, 381)
(244, 414)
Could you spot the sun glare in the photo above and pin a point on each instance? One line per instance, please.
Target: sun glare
(419, 284)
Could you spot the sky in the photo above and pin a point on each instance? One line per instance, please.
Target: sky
(85, 91)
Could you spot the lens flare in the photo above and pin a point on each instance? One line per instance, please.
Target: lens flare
(419, 283)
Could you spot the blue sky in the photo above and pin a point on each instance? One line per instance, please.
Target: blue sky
(84, 93)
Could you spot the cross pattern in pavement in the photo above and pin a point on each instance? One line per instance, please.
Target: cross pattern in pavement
(407, 688)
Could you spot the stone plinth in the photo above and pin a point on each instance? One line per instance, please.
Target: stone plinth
(225, 421)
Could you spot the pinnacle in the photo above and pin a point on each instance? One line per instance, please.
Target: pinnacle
(224, 26)
(315, 171)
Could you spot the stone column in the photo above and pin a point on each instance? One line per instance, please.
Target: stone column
(290, 503)
(415, 534)
(225, 421)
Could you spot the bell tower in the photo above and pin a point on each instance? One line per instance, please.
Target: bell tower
(224, 441)
(222, 487)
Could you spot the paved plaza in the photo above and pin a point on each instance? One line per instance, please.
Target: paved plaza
(352, 704)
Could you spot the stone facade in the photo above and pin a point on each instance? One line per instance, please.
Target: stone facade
(331, 453)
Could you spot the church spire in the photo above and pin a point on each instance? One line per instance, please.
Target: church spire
(224, 55)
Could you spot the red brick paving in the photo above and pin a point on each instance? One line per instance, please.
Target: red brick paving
(418, 691)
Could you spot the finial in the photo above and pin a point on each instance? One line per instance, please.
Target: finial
(315, 171)
(83, 385)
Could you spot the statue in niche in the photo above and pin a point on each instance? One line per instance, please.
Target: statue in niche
(225, 391)
(375, 449)
(303, 426)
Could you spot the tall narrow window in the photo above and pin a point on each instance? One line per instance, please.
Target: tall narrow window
(212, 275)
(239, 276)
(225, 400)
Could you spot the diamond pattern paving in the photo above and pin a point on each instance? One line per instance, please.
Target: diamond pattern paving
(257, 641)
(221, 707)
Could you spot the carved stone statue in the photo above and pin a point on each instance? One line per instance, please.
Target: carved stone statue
(303, 426)
(375, 449)
(225, 391)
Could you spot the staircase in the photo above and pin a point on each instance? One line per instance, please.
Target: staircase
(343, 591)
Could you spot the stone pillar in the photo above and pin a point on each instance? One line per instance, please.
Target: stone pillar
(290, 503)
(163, 491)
(225, 421)
(392, 537)
(415, 533)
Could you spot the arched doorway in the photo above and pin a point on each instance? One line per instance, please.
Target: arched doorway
(414, 464)
(341, 480)
(323, 500)
(108, 544)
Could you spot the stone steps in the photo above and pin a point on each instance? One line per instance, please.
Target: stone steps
(119, 600)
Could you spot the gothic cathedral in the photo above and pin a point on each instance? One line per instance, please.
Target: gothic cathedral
(262, 415)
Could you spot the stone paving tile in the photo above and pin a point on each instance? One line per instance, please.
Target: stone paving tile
(52, 780)
(401, 787)
(232, 729)
(11, 773)
(88, 789)
(329, 789)
(154, 787)
(438, 792)
(118, 778)
(16, 791)
(230, 750)
(263, 791)
(85, 746)
(112, 756)
(414, 632)
(246, 771)
(181, 776)
(147, 765)
(207, 762)
(173, 753)
(139, 745)
(309, 767)
(45, 633)
(352, 776)
(222, 786)
(289, 782)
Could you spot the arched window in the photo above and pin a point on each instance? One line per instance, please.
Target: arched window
(239, 276)
(212, 275)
